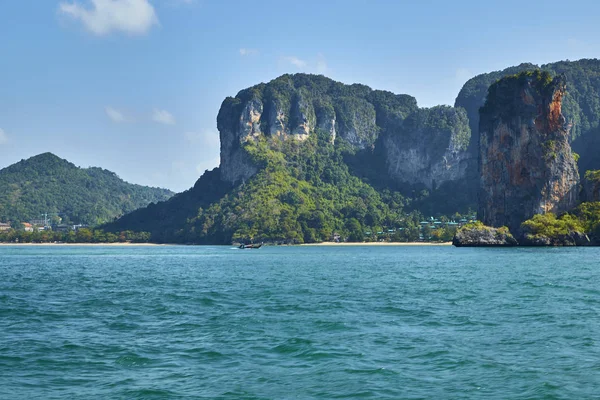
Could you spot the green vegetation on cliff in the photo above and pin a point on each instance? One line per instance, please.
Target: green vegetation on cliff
(344, 179)
(550, 226)
(49, 184)
(589, 217)
(581, 226)
(304, 192)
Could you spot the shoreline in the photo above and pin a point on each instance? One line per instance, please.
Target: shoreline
(375, 244)
(379, 244)
(84, 244)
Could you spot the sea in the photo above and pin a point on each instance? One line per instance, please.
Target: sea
(299, 322)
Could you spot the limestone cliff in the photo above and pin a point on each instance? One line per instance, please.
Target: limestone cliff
(416, 146)
(525, 161)
(580, 106)
(429, 147)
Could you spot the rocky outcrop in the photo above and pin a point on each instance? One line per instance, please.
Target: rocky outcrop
(526, 164)
(429, 147)
(418, 146)
(570, 239)
(478, 235)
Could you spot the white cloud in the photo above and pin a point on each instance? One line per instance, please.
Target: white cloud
(295, 61)
(3, 137)
(115, 115)
(248, 52)
(163, 117)
(103, 17)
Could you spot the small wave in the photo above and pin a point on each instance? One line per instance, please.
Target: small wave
(371, 371)
(149, 394)
(133, 360)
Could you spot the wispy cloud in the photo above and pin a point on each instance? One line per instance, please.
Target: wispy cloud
(115, 115)
(102, 17)
(295, 61)
(163, 117)
(248, 52)
(3, 137)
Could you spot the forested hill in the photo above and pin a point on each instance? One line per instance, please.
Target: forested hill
(307, 159)
(48, 184)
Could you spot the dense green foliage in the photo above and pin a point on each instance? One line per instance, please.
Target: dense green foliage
(480, 226)
(165, 220)
(81, 236)
(593, 176)
(48, 184)
(310, 191)
(550, 226)
(589, 217)
(584, 219)
(303, 193)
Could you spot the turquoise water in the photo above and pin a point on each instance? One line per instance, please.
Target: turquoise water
(299, 323)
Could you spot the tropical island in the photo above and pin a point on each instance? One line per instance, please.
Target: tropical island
(305, 159)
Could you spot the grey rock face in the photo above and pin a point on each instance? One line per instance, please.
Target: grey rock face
(236, 164)
(429, 148)
(421, 146)
(483, 237)
(526, 164)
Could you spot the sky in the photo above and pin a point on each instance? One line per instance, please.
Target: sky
(134, 86)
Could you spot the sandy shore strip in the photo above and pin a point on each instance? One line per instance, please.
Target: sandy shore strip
(380, 244)
(305, 244)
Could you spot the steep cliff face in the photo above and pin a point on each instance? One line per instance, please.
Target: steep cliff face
(419, 146)
(580, 106)
(429, 147)
(526, 164)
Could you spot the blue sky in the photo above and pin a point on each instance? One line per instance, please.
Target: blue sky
(134, 86)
